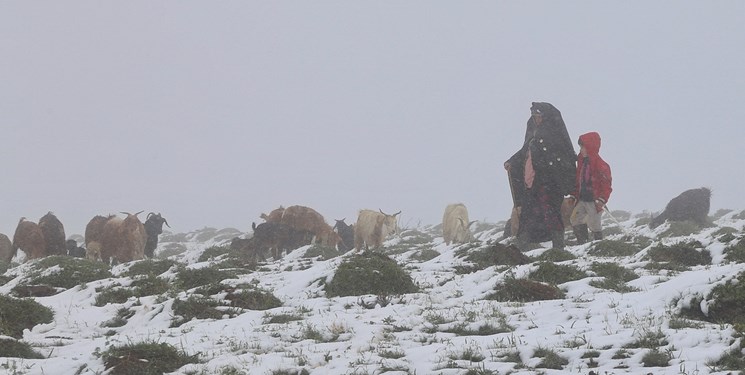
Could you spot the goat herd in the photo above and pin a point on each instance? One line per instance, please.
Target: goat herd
(111, 238)
(107, 238)
(115, 239)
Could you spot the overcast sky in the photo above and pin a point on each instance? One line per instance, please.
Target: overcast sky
(214, 112)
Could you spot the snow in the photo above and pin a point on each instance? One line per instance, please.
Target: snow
(410, 326)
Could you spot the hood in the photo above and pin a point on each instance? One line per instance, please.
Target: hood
(591, 141)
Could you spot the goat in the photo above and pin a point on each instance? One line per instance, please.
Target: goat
(153, 227)
(29, 238)
(54, 234)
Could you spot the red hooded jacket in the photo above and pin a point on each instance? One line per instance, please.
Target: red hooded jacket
(600, 176)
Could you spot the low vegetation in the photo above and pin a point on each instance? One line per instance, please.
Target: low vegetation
(370, 273)
(145, 358)
(65, 272)
(19, 314)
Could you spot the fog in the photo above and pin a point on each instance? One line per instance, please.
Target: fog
(214, 112)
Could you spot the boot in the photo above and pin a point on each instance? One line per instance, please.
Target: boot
(597, 235)
(580, 231)
(557, 239)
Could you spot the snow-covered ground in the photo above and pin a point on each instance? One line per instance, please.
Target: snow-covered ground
(406, 336)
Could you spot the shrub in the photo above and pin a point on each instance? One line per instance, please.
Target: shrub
(656, 358)
(153, 267)
(736, 252)
(188, 278)
(146, 358)
(614, 277)
(425, 255)
(521, 290)
(613, 248)
(681, 228)
(551, 359)
(254, 300)
(121, 318)
(113, 294)
(17, 349)
(556, 273)
(370, 273)
(613, 271)
(213, 252)
(66, 272)
(556, 255)
(324, 252)
(195, 307)
(19, 314)
(150, 286)
(727, 302)
(681, 254)
(494, 255)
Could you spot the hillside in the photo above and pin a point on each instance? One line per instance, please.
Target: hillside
(637, 302)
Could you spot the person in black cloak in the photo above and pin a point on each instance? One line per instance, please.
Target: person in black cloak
(541, 173)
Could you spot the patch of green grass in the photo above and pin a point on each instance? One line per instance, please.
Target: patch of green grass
(146, 358)
(485, 329)
(494, 255)
(254, 300)
(370, 273)
(140, 287)
(66, 272)
(324, 252)
(590, 354)
(188, 278)
(736, 252)
(150, 285)
(121, 318)
(522, 290)
(731, 360)
(17, 349)
(196, 307)
(681, 228)
(425, 255)
(550, 359)
(650, 339)
(553, 273)
(684, 254)
(726, 302)
(613, 271)
(613, 248)
(112, 294)
(556, 255)
(614, 276)
(656, 358)
(281, 318)
(213, 252)
(19, 314)
(153, 267)
(392, 354)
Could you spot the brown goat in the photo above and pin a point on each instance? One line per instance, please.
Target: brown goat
(29, 238)
(93, 236)
(275, 216)
(54, 234)
(306, 219)
(123, 239)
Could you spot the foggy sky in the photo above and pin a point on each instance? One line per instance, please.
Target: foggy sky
(214, 112)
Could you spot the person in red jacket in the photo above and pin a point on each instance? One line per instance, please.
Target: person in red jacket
(592, 189)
